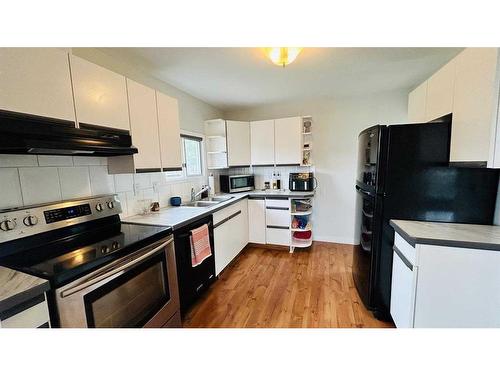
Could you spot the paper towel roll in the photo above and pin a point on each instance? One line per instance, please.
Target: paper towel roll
(211, 184)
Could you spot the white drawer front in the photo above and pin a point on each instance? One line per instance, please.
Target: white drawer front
(227, 211)
(284, 203)
(278, 236)
(33, 317)
(408, 251)
(278, 217)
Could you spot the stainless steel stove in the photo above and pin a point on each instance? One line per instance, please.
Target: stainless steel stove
(103, 273)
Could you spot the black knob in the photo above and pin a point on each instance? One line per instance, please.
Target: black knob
(110, 205)
(7, 225)
(30, 220)
(98, 207)
(115, 245)
(104, 249)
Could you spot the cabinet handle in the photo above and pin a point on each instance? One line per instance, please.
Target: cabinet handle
(276, 208)
(199, 287)
(227, 219)
(406, 262)
(277, 227)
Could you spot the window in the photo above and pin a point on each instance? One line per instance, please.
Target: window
(191, 158)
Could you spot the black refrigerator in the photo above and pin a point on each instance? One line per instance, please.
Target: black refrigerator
(404, 173)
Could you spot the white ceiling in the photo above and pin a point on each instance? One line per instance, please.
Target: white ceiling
(235, 78)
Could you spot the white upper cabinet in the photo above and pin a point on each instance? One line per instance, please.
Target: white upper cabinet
(238, 143)
(262, 142)
(416, 104)
(144, 126)
(475, 106)
(36, 81)
(100, 95)
(439, 100)
(169, 132)
(288, 140)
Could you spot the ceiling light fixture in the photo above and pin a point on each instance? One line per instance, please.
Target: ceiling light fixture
(282, 56)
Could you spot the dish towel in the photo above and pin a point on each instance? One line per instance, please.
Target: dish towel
(200, 245)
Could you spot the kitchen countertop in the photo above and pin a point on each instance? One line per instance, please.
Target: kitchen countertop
(486, 237)
(17, 287)
(176, 217)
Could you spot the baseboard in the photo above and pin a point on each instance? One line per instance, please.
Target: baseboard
(341, 240)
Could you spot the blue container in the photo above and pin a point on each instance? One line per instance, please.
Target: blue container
(175, 201)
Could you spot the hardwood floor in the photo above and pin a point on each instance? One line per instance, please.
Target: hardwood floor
(273, 288)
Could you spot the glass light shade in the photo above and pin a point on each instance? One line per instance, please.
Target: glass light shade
(282, 56)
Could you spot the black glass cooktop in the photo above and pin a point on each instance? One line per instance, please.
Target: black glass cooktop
(64, 255)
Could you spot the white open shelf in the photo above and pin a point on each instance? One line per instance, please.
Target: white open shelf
(301, 243)
(297, 242)
(302, 213)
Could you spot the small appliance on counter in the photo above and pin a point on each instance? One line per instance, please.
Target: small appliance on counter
(236, 184)
(302, 181)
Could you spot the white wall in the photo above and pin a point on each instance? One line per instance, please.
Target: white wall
(337, 123)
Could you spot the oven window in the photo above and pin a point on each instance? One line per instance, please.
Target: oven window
(131, 299)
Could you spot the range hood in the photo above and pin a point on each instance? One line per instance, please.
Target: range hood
(28, 134)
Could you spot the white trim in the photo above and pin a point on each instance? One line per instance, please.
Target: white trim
(184, 178)
(334, 239)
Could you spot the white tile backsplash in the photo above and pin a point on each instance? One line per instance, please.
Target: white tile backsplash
(54, 161)
(28, 179)
(142, 181)
(100, 181)
(40, 185)
(75, 182)
(87, 160)
(18, 161)
(11, 188)
(124, 182)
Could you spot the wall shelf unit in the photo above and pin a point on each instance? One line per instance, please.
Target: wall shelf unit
(307, 139)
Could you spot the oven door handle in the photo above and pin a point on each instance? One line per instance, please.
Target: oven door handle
(113, 271)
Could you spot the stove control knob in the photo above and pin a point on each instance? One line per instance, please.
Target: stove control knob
(30, 220)
(98, 207)
(104, 249)
(111, 205)
(115, 245)
(7, 224)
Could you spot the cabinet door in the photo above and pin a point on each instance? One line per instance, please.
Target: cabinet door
(474, 103)
(228, 241)
(439, 101)
(288, 140)
(262, 142)
(403, 286)
(416, 104)
(169, 132)
(144, 127)
(100, 95)
(238, 143)
(257, 221)
(36, 81)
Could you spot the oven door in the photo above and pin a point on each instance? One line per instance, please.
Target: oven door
(138, 291)
(240, 183)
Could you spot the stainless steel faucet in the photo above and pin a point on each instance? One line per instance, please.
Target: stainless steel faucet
(195, 195)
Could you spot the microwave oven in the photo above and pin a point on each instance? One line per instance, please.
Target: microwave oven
(236, 184)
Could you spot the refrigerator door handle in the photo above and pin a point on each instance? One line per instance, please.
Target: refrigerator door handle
(365, 192)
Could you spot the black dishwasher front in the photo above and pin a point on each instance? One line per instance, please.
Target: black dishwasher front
(193, 281)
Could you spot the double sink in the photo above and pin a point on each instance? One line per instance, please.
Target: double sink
(208, 202)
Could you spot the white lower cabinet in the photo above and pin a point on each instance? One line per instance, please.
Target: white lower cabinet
(444, 286)
(257, 220)
(230, 233)
(33, 316)
(403, 290)
(278, 222)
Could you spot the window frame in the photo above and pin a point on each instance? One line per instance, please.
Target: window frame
(183, 175)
